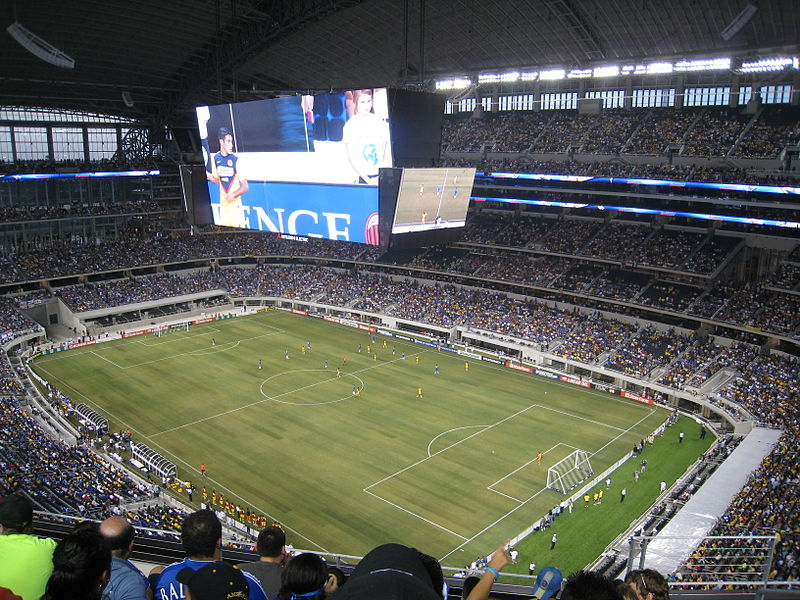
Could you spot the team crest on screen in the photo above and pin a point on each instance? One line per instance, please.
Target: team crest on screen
(371, 154)
(230, 162)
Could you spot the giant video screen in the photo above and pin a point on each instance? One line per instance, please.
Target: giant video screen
(302, 165)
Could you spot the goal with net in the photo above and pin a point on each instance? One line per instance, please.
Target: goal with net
(164, 329)
(569, 472)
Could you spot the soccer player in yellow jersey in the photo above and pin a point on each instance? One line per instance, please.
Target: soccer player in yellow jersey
(224, 171)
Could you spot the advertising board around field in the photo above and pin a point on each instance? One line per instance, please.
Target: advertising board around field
(516, 367)
(575, 381)
(636, 397)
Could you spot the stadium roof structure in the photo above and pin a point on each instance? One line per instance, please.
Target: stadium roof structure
(169, 56)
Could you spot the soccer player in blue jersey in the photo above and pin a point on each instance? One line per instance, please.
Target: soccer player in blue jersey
(201, 535)
(232, 185)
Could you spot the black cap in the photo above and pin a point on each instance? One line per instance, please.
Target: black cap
(16, 511)
(215, 581)
(389, 572)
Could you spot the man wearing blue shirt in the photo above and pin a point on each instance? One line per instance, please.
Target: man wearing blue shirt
(126, 582)
(201, 535)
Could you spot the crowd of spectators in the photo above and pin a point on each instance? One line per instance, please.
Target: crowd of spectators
(90, 296)
(669, 295)
(60, 477)
(37, 213)
(135, 252)
(648, 349)
(75, 166)
(715, 132)
(693, 360)
(787, 277)
(659, 130)
(706, 132)
(767, 137)
(14, 323)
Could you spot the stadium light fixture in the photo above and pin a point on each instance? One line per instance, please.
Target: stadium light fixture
(457, 83)
(703, 64)
(552, 75)
(498, 77)
(579, 74)
(765, 65)
(39, 47)
(529, 75)
(609, 71)
(658, 67)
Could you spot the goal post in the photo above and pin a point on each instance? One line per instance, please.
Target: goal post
(171, 328)
(569, 472)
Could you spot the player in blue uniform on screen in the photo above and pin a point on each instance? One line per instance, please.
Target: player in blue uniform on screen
(232, 185)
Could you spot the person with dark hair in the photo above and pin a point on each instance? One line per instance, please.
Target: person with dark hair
(435, 572)
(26, 561)
(306, 576)
(232, 185)
(588, 585)
(272, 558)
(648, 584)
(339, 578)
(127, 582)
(81, 567)
(201, 535)
(625, 590)
(469, 585)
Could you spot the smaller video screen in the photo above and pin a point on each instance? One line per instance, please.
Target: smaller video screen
(431, 199)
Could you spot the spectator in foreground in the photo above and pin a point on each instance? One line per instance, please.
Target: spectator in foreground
(272, 558)
(588, 585)
(127, 582)
(499, 559)
(201, 535)
(306, 576)
(389, 572)
(339, 578)
(648, 584)
(26, 561)
(216, 581)
(81, 567)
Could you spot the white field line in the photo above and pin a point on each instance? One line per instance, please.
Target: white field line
(516, 508)
(105, 359)
(413, 514)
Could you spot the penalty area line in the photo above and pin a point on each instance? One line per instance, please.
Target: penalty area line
(413, 514)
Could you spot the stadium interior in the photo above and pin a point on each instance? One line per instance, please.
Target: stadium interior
(633, 228)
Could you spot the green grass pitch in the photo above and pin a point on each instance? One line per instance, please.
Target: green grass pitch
(452, 473)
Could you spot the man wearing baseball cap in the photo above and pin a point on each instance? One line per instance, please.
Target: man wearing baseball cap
(26, 561)
(216, 581)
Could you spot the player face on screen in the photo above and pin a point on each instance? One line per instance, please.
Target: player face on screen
(363, 101)
(226, 144)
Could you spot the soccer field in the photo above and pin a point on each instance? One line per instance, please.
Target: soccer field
(452, 473)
